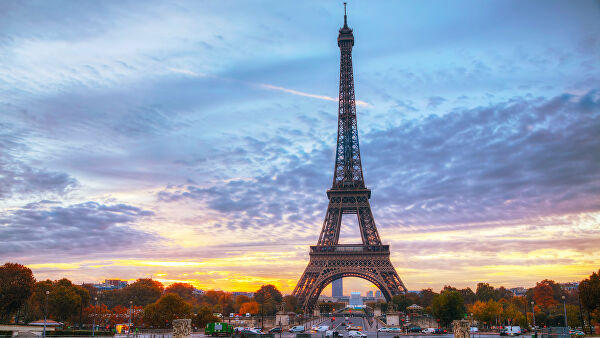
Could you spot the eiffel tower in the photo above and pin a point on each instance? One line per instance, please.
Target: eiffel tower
(348, 195)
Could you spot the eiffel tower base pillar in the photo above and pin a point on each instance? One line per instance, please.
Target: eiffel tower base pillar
(328, 263)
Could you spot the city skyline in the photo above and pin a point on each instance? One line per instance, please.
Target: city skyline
(193, 142)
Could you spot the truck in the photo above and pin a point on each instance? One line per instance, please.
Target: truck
(218, 329)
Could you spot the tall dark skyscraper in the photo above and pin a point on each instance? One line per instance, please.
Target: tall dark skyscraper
(337, 288)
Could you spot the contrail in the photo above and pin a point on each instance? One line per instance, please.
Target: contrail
(267, 86)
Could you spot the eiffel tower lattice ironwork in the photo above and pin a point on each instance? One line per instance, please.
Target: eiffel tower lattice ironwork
(348, 195)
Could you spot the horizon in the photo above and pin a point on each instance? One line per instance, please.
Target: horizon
(194, 142)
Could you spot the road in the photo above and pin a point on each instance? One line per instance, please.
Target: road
(370, 331)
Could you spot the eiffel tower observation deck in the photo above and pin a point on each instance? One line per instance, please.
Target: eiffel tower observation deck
(330, 260)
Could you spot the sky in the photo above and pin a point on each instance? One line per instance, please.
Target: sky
(194, 140)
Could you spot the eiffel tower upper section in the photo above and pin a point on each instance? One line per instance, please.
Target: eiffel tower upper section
(348, 168)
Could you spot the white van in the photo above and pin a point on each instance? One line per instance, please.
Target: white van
(428, 330)
(512, 330)
(297, 329)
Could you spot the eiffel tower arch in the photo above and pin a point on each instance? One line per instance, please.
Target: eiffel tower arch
(330, 260)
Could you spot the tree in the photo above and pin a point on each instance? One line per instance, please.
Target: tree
(64, 300)
(249, 307)
(203, 316)
(269, 298)
(448, 306)
(184, 290)
(468, 295)
(401, 302)
(168, 307)
(291, 303)
(485, 292)
(239, 300)
(142, 292)
(426, 297)
(589, 293)
(543, 295)
(16, 286)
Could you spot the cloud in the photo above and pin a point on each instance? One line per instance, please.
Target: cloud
(514, 160)
(435, 101)
(46, 227)
(17, 178)
(519, 158)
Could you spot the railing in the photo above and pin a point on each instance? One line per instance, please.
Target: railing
(359, 248)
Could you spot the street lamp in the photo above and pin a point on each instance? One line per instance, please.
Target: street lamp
(533, 313)
(565, 308)
(130, 313)
(45, 312)
(94, 323)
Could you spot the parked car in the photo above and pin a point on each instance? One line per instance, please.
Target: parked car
(332, 333)
(322, 328)
(415, 329)
(428, 330)
(384, 329)
(576, 333)
(297, 329)
(275, 330)
(250, 331)
(356, 334)
(473, 329)
(438, 331)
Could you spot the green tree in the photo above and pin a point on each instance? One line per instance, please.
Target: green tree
(291, 303)
(269, 298)
(485, 292)
(401, 302)
(468, 295)
(64, 300)
(203, 316)
(589, 293)
(16, 286)
(426, 297)
(142, 292)
(168, 307)
(448, 306)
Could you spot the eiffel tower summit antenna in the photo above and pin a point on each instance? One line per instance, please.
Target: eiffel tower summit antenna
(348, 194)
(345, 16)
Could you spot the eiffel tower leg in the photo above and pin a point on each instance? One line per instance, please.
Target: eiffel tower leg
(330, 232)
(366, 222)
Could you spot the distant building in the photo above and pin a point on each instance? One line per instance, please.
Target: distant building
(569, 286)
(337, 288)
(240, 293)
(518, 291)
(370, 294)
(355, 299)
(378, 294)
(197, 292)
(111, 284)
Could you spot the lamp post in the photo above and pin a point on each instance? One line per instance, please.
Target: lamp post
(130, 313)
(45, 312)
(533, 314)
(94, 323)
(565, 308)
